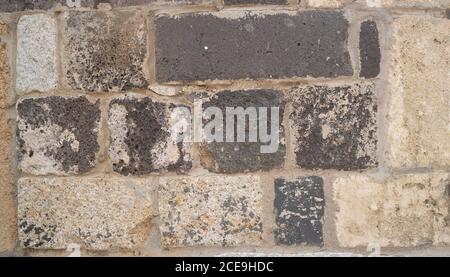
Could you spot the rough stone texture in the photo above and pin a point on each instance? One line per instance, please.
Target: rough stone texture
(57, 135)
(447, 13)
(36, 53)
(227, 45)
(105, 51)
(96, 213)
(4, 70)
(419, 104)
(265, 2)
(327, 3)
(8, 234)
(233, 157)
(404, 211)
(334, 127)
(369, 47)
(299, 206)
(408, 3)
(208, 211)
(142, 136)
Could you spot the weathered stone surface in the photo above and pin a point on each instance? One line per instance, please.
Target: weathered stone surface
(36, 53)
(4, 70)
(418, 116)
(96, 213)
(105, 51)
(447, 13)
(369, 50)
(334, 127)
(327, 3)
(408, 3)
(266, 2)
(248, 156)
(207, 210)
(233, 45)
(57, 135)
(8, 234)
(299, 206)
(408, 210)
(142, 138)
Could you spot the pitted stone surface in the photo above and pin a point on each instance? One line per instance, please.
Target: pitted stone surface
(57, 135)
(36, 53)
(104, 51)
(408, 3)
(334, 127)
(96, 213)
(419, 95)
(226, 45)
(299, 206)
(404, 211)
(208, 211)
(369, 47)
(233, 157)
(142, 140)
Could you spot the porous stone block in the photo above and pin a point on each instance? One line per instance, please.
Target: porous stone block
(299, 206)
(210, 210)
(104, 51)
(57, 135)
(144, 136)
(95, 213)
(334, 127)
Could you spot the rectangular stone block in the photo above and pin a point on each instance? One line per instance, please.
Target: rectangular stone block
(57, 135)
(36, 53)
(96, 213)
(299, 207)
(240, 45)
(4, 68)
(404, 211)
(147, 136)
(210, 211)
(104, 51)
(419, 95)
(369, 50)
(224, 152)
(334, 127)
(408, 3)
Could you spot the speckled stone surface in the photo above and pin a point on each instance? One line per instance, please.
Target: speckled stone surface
(334, 127)
(408, 3)
(57, 135)
(104, 51)
(299, 207)
(234, 157)
(142, 141)
(208, 211)
(419, 96)
(403, 211)
(96, 213)
(36, 53)
(4, 68)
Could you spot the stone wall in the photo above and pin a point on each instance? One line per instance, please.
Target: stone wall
(88, 91)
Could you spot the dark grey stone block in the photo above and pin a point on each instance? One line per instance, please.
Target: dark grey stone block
(205, 46)
(335, 127)
(369, 47)
(299, 207)
(265, 2)
(234, 157)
